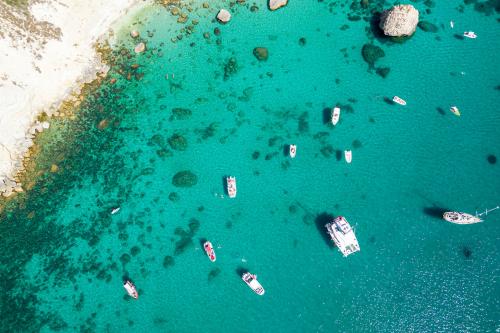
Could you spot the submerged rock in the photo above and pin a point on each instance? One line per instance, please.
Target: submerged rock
(427, 26)
(178, 142)
(261, 53)
(180, 114)
(371, 53)
(399, 21)
(230, 68)
(184, 179)
(275, 4)
(223, 16)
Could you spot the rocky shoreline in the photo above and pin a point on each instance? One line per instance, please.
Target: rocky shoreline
(47, 66)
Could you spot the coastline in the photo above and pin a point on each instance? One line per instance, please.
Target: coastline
(48, 68)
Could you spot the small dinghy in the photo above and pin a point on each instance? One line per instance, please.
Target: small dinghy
(335, 115)
(455, 111)
(470, 34)
(251, 281)
(452, 24)
(231, 186)
(293, 151)
(115, 210)
(399, 100)
(130, 288)
(209, 249)
(348, 156)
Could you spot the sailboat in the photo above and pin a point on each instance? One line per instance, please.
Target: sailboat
(464, 218)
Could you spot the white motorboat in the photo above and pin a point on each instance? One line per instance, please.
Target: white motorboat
(452, 24)
(399, 100)
(461, 218)
(231, 186)
(130, 288)
(348, 156)
(470, 34)
(251, 281)
(335, 115)
(115, 210)
(343, 236)
(455, 111)
(293, 151)
(209, 249)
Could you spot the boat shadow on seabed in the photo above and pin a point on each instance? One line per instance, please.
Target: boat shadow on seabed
(434, 211)
(320, 222)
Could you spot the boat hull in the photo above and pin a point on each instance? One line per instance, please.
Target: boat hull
(231, 187)
(293, 151)
(399, 100)
(335, 115)
(131, 290)
(461, 218)
(209, 250)
(348, 156)
(251, 281)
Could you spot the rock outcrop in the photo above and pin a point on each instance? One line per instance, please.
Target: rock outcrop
(223, 16)
(399, 21)
(275, 4)
(261, 53)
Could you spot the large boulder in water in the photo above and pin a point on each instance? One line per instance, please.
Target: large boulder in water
(399, 21)
(223, 16)
(275, 4)
(184, 179)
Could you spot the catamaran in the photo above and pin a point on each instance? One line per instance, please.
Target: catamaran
(348, 156)
(455, 111)
(399, 100)
(335, 115)
(293, 151)
(130, 288)
(231, 186)
(343, 236)
(209, 249)
(470, 34)
(251, 281)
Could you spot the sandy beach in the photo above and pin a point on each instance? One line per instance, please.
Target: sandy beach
(47, 51)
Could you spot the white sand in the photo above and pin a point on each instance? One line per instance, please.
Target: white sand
(38, 72)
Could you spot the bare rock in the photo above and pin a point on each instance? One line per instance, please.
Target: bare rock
(399, 21)
(275, 4)
(223, 16)
(134, 34)
(141, 47)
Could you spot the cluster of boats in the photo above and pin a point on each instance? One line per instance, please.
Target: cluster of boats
(400, 101)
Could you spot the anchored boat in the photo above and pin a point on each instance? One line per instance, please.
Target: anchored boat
(130, 288)
(115, 210)
(293, 151)
(343, 236)
(209, 249)
(231, 186)
(399, 100)
(348, 156)
(335, 115)
(455, 111)
(470, 34)
(461, 218)
(251, 281)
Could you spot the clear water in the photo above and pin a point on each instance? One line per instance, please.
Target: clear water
(64, 255)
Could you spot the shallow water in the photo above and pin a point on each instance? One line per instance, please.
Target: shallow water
(65, 255)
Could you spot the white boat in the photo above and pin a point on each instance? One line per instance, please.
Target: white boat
(115, 210)
(209, 249)
(455, 111)
(231, 186)
(293, 151)
(343, 236)
(130, 288)
(470, 34)
(335, 115)
(452, 24)
(461, 218)
(251, 281)
(399, 100)
(348, 156)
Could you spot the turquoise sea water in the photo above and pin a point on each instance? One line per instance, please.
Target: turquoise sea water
(64, 255)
